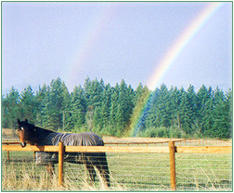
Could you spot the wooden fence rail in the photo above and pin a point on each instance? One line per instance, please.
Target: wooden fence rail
(171, 149)
(122, 149)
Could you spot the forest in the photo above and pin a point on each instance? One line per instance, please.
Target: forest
(121, 110)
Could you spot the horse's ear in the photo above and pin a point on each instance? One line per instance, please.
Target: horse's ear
(26, 120)
(18, 121)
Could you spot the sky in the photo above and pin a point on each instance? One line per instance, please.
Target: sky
(153, 43)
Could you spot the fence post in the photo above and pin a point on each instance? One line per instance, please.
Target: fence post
(172, 165)
(8, 156)
(60, 163)
(34, 155)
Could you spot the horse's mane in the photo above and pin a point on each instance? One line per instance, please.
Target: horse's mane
(41, 133)
(44, 131)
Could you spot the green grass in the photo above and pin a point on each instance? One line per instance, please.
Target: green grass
(210, 172)
(129, 172)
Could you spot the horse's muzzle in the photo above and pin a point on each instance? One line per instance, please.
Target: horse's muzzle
(23, 144)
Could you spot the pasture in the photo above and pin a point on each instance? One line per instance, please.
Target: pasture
(128, 171)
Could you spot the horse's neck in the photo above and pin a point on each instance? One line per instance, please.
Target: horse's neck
(44, 136)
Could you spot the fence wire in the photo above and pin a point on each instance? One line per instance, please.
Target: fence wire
(131, 171)
(128, 172)
(204, 172)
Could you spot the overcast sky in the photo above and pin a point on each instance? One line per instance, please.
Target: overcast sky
(113, 41)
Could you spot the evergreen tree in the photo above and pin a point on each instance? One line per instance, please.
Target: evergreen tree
(93, 92)
(221, 127)
(121, 110)
(5, 113)
(89, 118)
(77, 110)
(187, 110)
(105, 108)
(175, 96)
(11, 109)
(138, 93)
(125, 103)
(42, 98)
(139, 116)
(97, 120)
(28, 104)
(113, 109)
(56, 104)
(164, 107)
(205, 106)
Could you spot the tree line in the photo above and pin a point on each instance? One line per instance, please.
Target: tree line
(121, 110)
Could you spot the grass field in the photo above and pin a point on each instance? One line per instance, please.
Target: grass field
(129, 172)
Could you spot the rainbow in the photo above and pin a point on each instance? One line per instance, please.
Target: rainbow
(88, 40)
(139, 113)
(171, 55)
(144, 107)
(180, 43)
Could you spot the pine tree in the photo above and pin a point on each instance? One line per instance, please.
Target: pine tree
(29, 105)
(205, 108)
(93, 92)
(113, 110)
(138, 93)
(116, 110)
(175, 96)
(77, 110)
(11, 109)
(105, 107)
(42, 98)
(139, 116)
(97, 120)
(5, 113)
(164, 107)
(221, 127)
(56, 104)
(187, 110)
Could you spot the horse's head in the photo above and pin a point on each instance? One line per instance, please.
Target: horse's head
(27, 133)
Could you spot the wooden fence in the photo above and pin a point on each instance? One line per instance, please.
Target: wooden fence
(171, 149)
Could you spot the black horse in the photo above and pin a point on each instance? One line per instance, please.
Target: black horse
(28, 133)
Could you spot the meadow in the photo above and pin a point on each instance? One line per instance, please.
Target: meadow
(128, 172)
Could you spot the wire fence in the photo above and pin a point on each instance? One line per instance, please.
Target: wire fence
(128, 171)
(204, 172)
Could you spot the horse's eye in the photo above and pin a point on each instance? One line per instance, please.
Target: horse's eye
(22, 128)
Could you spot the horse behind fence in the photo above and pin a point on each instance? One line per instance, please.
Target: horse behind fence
(29, 133)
